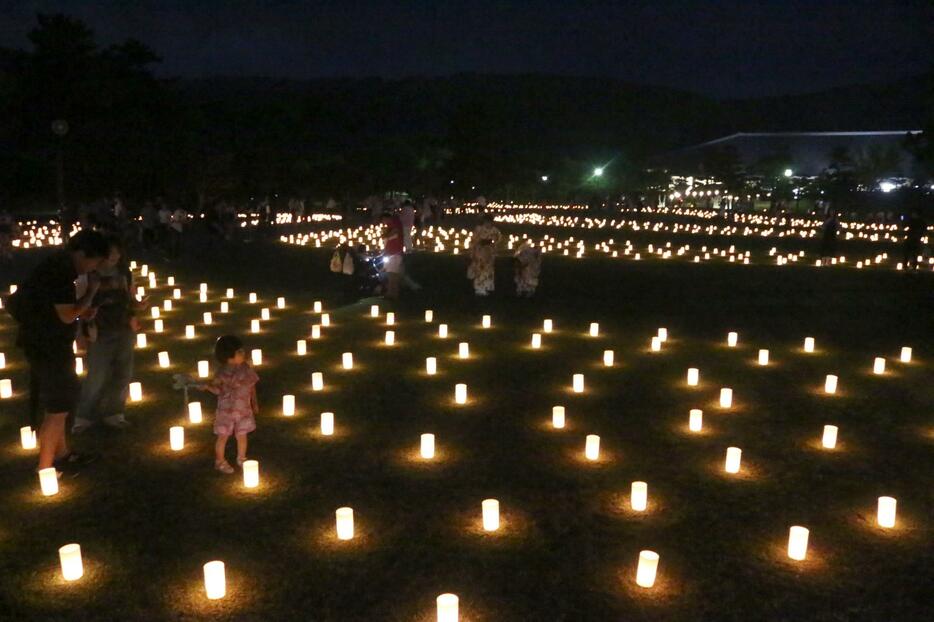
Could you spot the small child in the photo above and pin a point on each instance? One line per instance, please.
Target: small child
(528, 266)
(234, 385)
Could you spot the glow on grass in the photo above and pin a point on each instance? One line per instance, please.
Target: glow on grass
(344, 519)
(194, 412)
(592, 447)
(490, 509)
(798, 542)
(70, 559)
(647, 569)
(215, 581)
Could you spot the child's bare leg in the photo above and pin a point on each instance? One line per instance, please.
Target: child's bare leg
(241, 447)
(219, 446)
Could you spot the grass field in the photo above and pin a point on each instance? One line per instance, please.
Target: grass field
(148, 518)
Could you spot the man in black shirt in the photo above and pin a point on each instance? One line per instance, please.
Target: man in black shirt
(47, 311)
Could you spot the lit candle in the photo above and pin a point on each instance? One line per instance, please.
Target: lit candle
(317, 381)
(215, 583)
(177, 438)
(177, 294)
(203, 288)
(252, 298)
(70, 558)
(447, 608)
(250, 474)
(171, 281)
(347, 360)
(141, 340)
(885, 514)
(254, 326)
(647, 569)
(460, 393)
(166, 305)
(79, 365)
(763, 357)
(317, 306)
(327, 424)
(225, 308)
(429, 315)
(6, 388)
(486, 321)
(2, 360)
(194, 412)
(48, 481)
(301, 347)
(207, 318)
(390, 337)
(557, 417)
(204, 369)
(639, 495)
(663, 334)
(288, 405)
(592, 447)
(547, 326)
(163, 359)
(829, 439)
(490, 514)
(189, 332)
(27, 437)
(463, 349)
(427, 448)
(390, 318)
(264, 314)
(608, 358)
(257, 356)
(136, 392)
(316, 331)
(577, 382)
(431, 365)
(656, 344)
(203, 297)
(905, 355)
(344, 523)
(696, 420)
(798, 543)
(830, 384)
(732, 339)
(726, 397)
(809, 344)
(594, 329)
(374, 310)
(878, 365)
(536, 341)
(443, 330)
(280, 302)
(154, 312)
(230, 292)
(734, 456)
(693, 376)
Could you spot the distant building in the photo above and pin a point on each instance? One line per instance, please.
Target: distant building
(806, 153)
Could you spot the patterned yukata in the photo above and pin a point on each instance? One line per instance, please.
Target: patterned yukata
(234, 387)
(483, 254)
(528, 267)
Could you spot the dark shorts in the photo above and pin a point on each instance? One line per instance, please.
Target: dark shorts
(53, 369)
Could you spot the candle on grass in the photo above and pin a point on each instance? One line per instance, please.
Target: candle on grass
(885, 513)
(48, 481)
(317, 381)
(830, 384)
(608, 357)
(390, 337)
(809, 344)
(639, 496)
(647, 569)
(189, 332)
(429, 315)
(726, 397)
(344, 517)
(490, 509)
(427, 447)
(732, 339)
(798, 542)
(70, 558)
(194, 412)
(136, 392)
(347, 360)
(536, 341)
(592, 447)
(215, 583)
(763, 357)
(463, 350)
(447, 608)
(27, 437)
(256, 355)
(250, 474)
(301, 347)
(163, 359)
(460, 393)
(177, 438)
(486, 321)
(693, 376)
(327, 424)
(829, 439)
(878, 365)
(696, 420)
(288, 405)
(431, 365)
(594, 329)
(734, 456)
(443, 331)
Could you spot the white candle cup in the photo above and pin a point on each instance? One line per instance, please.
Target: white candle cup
(647, 569)
(443, 331)
(288, 405)
(490, 514)
(325, 319)
(171, 281)
(194, 412)
(734, 456)
(608, 357)
(390, 318)
(177, 294)
(280, 302)
(429, 315)
(229, 293)
(256, 355)
(317, 306)
(798, 543)
(202, 297)
(6, 388)
(344, 519)
(316, 331)
(460, 393)
(427, 447)
(203, 288)
(204, 369)
(252, 298)
(177, 438)
(536, 341)
(763, 357)
(732, 339)
(905, 356)
(158, 326)
(79, 365)
(639, 496)
(447, 608)
(189, 332)
(254, 326)
(431, 366)
(726, 397)
(696, 420)
(594, 329)
(164, 359)
(878, 365)
(327, 424)
(557, 417)
(70, 558)
(27, 437)
(317, 381)
(136, 392)
(885, 514)
(166, 305)
(809, 344)
(486, 321)
(301, 347)
(225, 308)
(154, 312)
(577, 383)
(592, 447)
(547, 326)
(48, 481)
(374, 310)
(215, 581)
(463, 350)
(656, 345)
(250, 474)
(829, 439)
(693, 376)
(662, 334)
(390, 337)
(830, 384)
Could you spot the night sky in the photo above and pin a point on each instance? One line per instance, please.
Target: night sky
(720, 48)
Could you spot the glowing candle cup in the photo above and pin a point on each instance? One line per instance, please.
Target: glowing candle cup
(6, 388)
(763, 357)
(577, 383)
(639, 496)
(48, 481)
(594, 329)
(647, 569)
(344, 518)
(693, 376)
(163, 359)
(347, 360)
(177, 438)
(809, 344)
(460, 393)
(390, 337)
(317, 381)
(27, 437)
(878, 365)
(490, 514)
(608, 356)
(830, 384)
(905, 356)
(447, 608)
(136, 392)
(734, 456)
(256, 355)
(431, 366)
(194, 412)
(70, 558)
(463, 350)
(141, 340)
(592, 447)
(288, 405)
(557, 417)
(536, 341)
(696, 420)
(427, 447)
(798, 543)
(327, 424)
(301, 347)
(885, 513)
(732, 339)
(829, 439)
(250, 474)
(215, 582)
(726, 397)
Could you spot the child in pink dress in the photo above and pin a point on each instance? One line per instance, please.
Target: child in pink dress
(234, 385)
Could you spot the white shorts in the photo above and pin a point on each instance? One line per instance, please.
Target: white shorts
(392, 264)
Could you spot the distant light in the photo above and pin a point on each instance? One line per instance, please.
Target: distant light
(598, 171)
(887, 186)
(788, 172)
(544, 177)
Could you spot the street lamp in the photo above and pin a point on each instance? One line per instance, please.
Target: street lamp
(788, 172)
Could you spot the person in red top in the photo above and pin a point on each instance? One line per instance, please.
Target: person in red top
(392, 254)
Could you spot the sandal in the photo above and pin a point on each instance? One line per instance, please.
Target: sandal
(223, 467)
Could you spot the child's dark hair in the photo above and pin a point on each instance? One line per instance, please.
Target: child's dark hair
(225, 347)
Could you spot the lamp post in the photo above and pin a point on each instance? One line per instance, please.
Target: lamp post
(60, 128)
